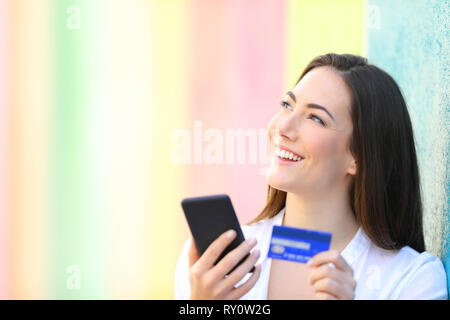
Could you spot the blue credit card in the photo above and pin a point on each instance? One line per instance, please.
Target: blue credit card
(296, 244)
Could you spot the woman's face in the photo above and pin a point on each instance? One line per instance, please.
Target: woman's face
(314, 123)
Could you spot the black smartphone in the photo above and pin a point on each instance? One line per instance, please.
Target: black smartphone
(210, 216)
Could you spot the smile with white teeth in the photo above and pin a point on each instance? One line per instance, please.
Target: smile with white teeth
(286, 155)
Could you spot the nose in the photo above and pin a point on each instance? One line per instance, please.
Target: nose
(287, 128)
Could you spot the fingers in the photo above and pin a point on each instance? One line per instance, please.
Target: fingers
(327, 271)
(241, 271)
(229, 261)
(324, 296)
(238, 292)
(227, 286)
(192, 253)
(331, 276)
(233, 258)
(215, 249)
(330, 256)
(333, 287)
(208, 280)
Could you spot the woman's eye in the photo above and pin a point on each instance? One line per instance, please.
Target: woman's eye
(286, 105)
(313, 116)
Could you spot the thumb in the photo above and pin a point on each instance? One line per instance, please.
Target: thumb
(193, 253)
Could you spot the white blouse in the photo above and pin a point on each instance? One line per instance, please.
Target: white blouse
(379, 273)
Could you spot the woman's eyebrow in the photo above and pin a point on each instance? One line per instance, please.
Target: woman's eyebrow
(292, 95)
(318, 106)
(311, 105)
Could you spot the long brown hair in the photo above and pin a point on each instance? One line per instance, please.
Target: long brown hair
(385, 193)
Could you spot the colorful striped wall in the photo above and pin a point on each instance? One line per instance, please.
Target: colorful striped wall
(112, 111)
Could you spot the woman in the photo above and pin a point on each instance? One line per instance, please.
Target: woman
(343, 161)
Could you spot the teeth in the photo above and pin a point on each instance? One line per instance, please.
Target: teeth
(287, 155)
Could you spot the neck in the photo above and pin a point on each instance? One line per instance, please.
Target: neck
(331, 214)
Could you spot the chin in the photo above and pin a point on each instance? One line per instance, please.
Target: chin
(279, 183)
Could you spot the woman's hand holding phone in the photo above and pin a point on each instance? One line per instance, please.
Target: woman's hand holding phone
(209, 281)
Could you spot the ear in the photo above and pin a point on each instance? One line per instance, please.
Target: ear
(352, 169)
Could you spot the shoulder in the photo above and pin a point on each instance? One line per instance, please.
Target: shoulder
(421, 275)
(397, 274)
(415, 262)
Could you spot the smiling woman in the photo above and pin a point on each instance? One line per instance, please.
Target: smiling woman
(343, 161)
(359, 180)
(377, 135)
